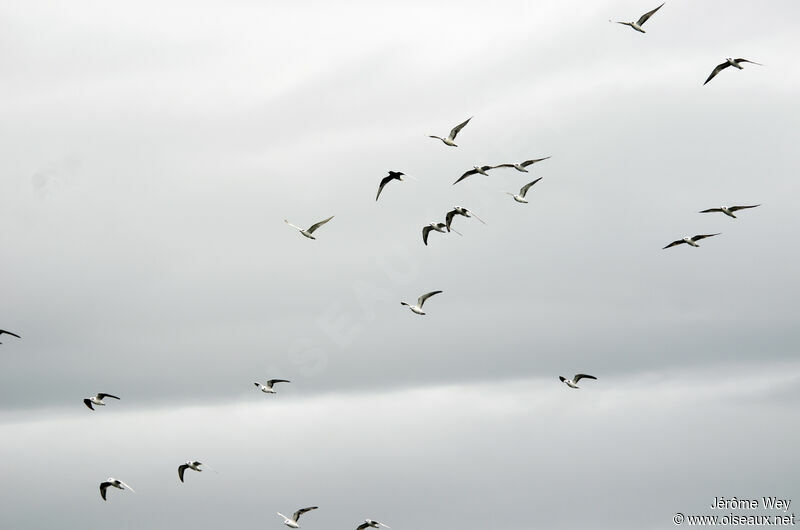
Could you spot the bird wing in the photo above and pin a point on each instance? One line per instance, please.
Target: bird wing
(502, 165)
(715, 71)
(293, 226)
(465, 175)
(449, 218)
(421, 299)
(562, 378)
(88, 403)
(103, 396)
(677, 242)
(181, 469)
(458, 128)
(273, 381)
(362, 526)
(475, 216)
(383, 525)
(737, 208)
(384, 181)
(578, 377)
(746, 61)
(301, 511)
(425, 231)
(317, 225)
(103, 487)
(9, 333)
(130, 488)
(529, 162)
(487, 168)
(711, 210)
(647, 15)
(703, 236)
(524, 189)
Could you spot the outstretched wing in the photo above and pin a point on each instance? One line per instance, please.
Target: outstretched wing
(711, 210)
(703, 236)
(677, 242)
(737, 208)
(9, 333)
(529, 162)
(475, 216)
(746, 61)
(103, 487)
(465, 175)
(425, 231)
(362, 526)
(502, 165)
(458, 128)
(449, 218)
(524, 189)
(88, 403)
(181, 469)
(562, 378)
(421, 299)
(103, 396)
(715, 71)
(317, 225)
(273, 381)
(384, 181)
(578, 377)
(301, 511)
(130, 488)
(647, 15)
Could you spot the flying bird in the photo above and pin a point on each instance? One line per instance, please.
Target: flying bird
(311, 229)
(369, 523)
(2, 331)
(523, 191)
(642, 19)
(449, 140)
(195, 465)
(691, 240)
(475, 169)
(736, 63)
(728, 210)
(420, 301)
(458, 210)
(439, 227)
(97, 399)
(393, 175)
(292, 522)
(113, 482)
(573, 383)
(522, 165)
(267, 389)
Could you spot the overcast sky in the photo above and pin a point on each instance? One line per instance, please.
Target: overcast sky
(149, 152)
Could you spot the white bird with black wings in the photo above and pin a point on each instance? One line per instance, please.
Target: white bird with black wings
(115, 483)
(642, 19)
(97, 399)
(420, 301)
(449, 140)
(291, 522)
(310, 230)
(573, 383)
(369, 523)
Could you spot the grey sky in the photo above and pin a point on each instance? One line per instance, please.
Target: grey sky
(150, 152)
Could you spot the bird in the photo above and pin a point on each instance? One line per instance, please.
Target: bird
(189, 465)
(113, 482)
(393, 175)
(475, 169)
(291, 522)
(458, 210)
(691, 240)
(449, 140)
(642, 19)
(522, 165)
(308, 233)
(439, 227)
(573, 383)
(523, 191)
(729, 62)
(420, 301)
(728, 210)
(97, 400)
(2, 331)
(267, 389)
(369, 523)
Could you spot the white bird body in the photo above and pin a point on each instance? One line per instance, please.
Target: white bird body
(292, 522)
(115, 483)
(97, 399)
(267, 389)
(573, 383)
(449, 141)
(308, 232)
(520, 197)
(639, 23)
(420, 302)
